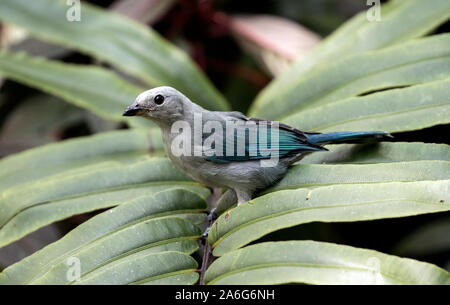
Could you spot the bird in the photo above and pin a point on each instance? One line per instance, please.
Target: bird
(240, 171)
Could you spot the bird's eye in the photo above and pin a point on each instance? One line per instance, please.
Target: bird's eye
(159, 99)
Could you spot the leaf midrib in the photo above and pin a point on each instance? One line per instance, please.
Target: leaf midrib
(238, 228)
(137, 250)
(95, 241)
(296, 264)
(107, 190)
(67, 253)
(165, 275)
(386, 114)
(349, 81)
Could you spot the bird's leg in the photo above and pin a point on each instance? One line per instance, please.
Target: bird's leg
(206, 246)
(242, 196)
(212, 216)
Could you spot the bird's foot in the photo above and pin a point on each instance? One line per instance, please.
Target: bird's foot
(212, 216)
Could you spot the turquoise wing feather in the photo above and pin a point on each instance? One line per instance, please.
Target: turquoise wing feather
(251, 142)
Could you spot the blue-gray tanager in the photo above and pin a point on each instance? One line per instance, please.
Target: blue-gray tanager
(240, 168)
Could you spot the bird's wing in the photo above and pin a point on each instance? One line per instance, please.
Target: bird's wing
(233, 115)
(256, 139)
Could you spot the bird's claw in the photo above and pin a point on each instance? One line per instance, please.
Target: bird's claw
(205, 234)
(212, 216)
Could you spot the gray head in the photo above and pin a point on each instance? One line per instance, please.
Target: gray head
(163, 105)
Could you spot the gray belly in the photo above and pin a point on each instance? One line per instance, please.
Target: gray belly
(247, 175)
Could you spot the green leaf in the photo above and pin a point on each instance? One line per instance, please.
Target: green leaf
(118, 40)
(150, 223)
(319, 263)
(126, 245)
(304, 175)
(40, 215)
(396, 110)
(314, 175)
(380, 153)
(96, 89)
(160, 268)
(22, 216)
(335, 203)
(410, 63)
(53, 182)
(401, 21)
(148, 12)
(101, 177)
(180, 278)
(122, 147)
(188, 278)
(170, 268)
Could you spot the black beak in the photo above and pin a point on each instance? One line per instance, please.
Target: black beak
(131, 111)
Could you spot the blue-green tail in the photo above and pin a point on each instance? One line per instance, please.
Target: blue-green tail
(346, 137)
(292, 143)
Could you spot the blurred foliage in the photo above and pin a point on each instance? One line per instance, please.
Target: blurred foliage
(64, 80)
